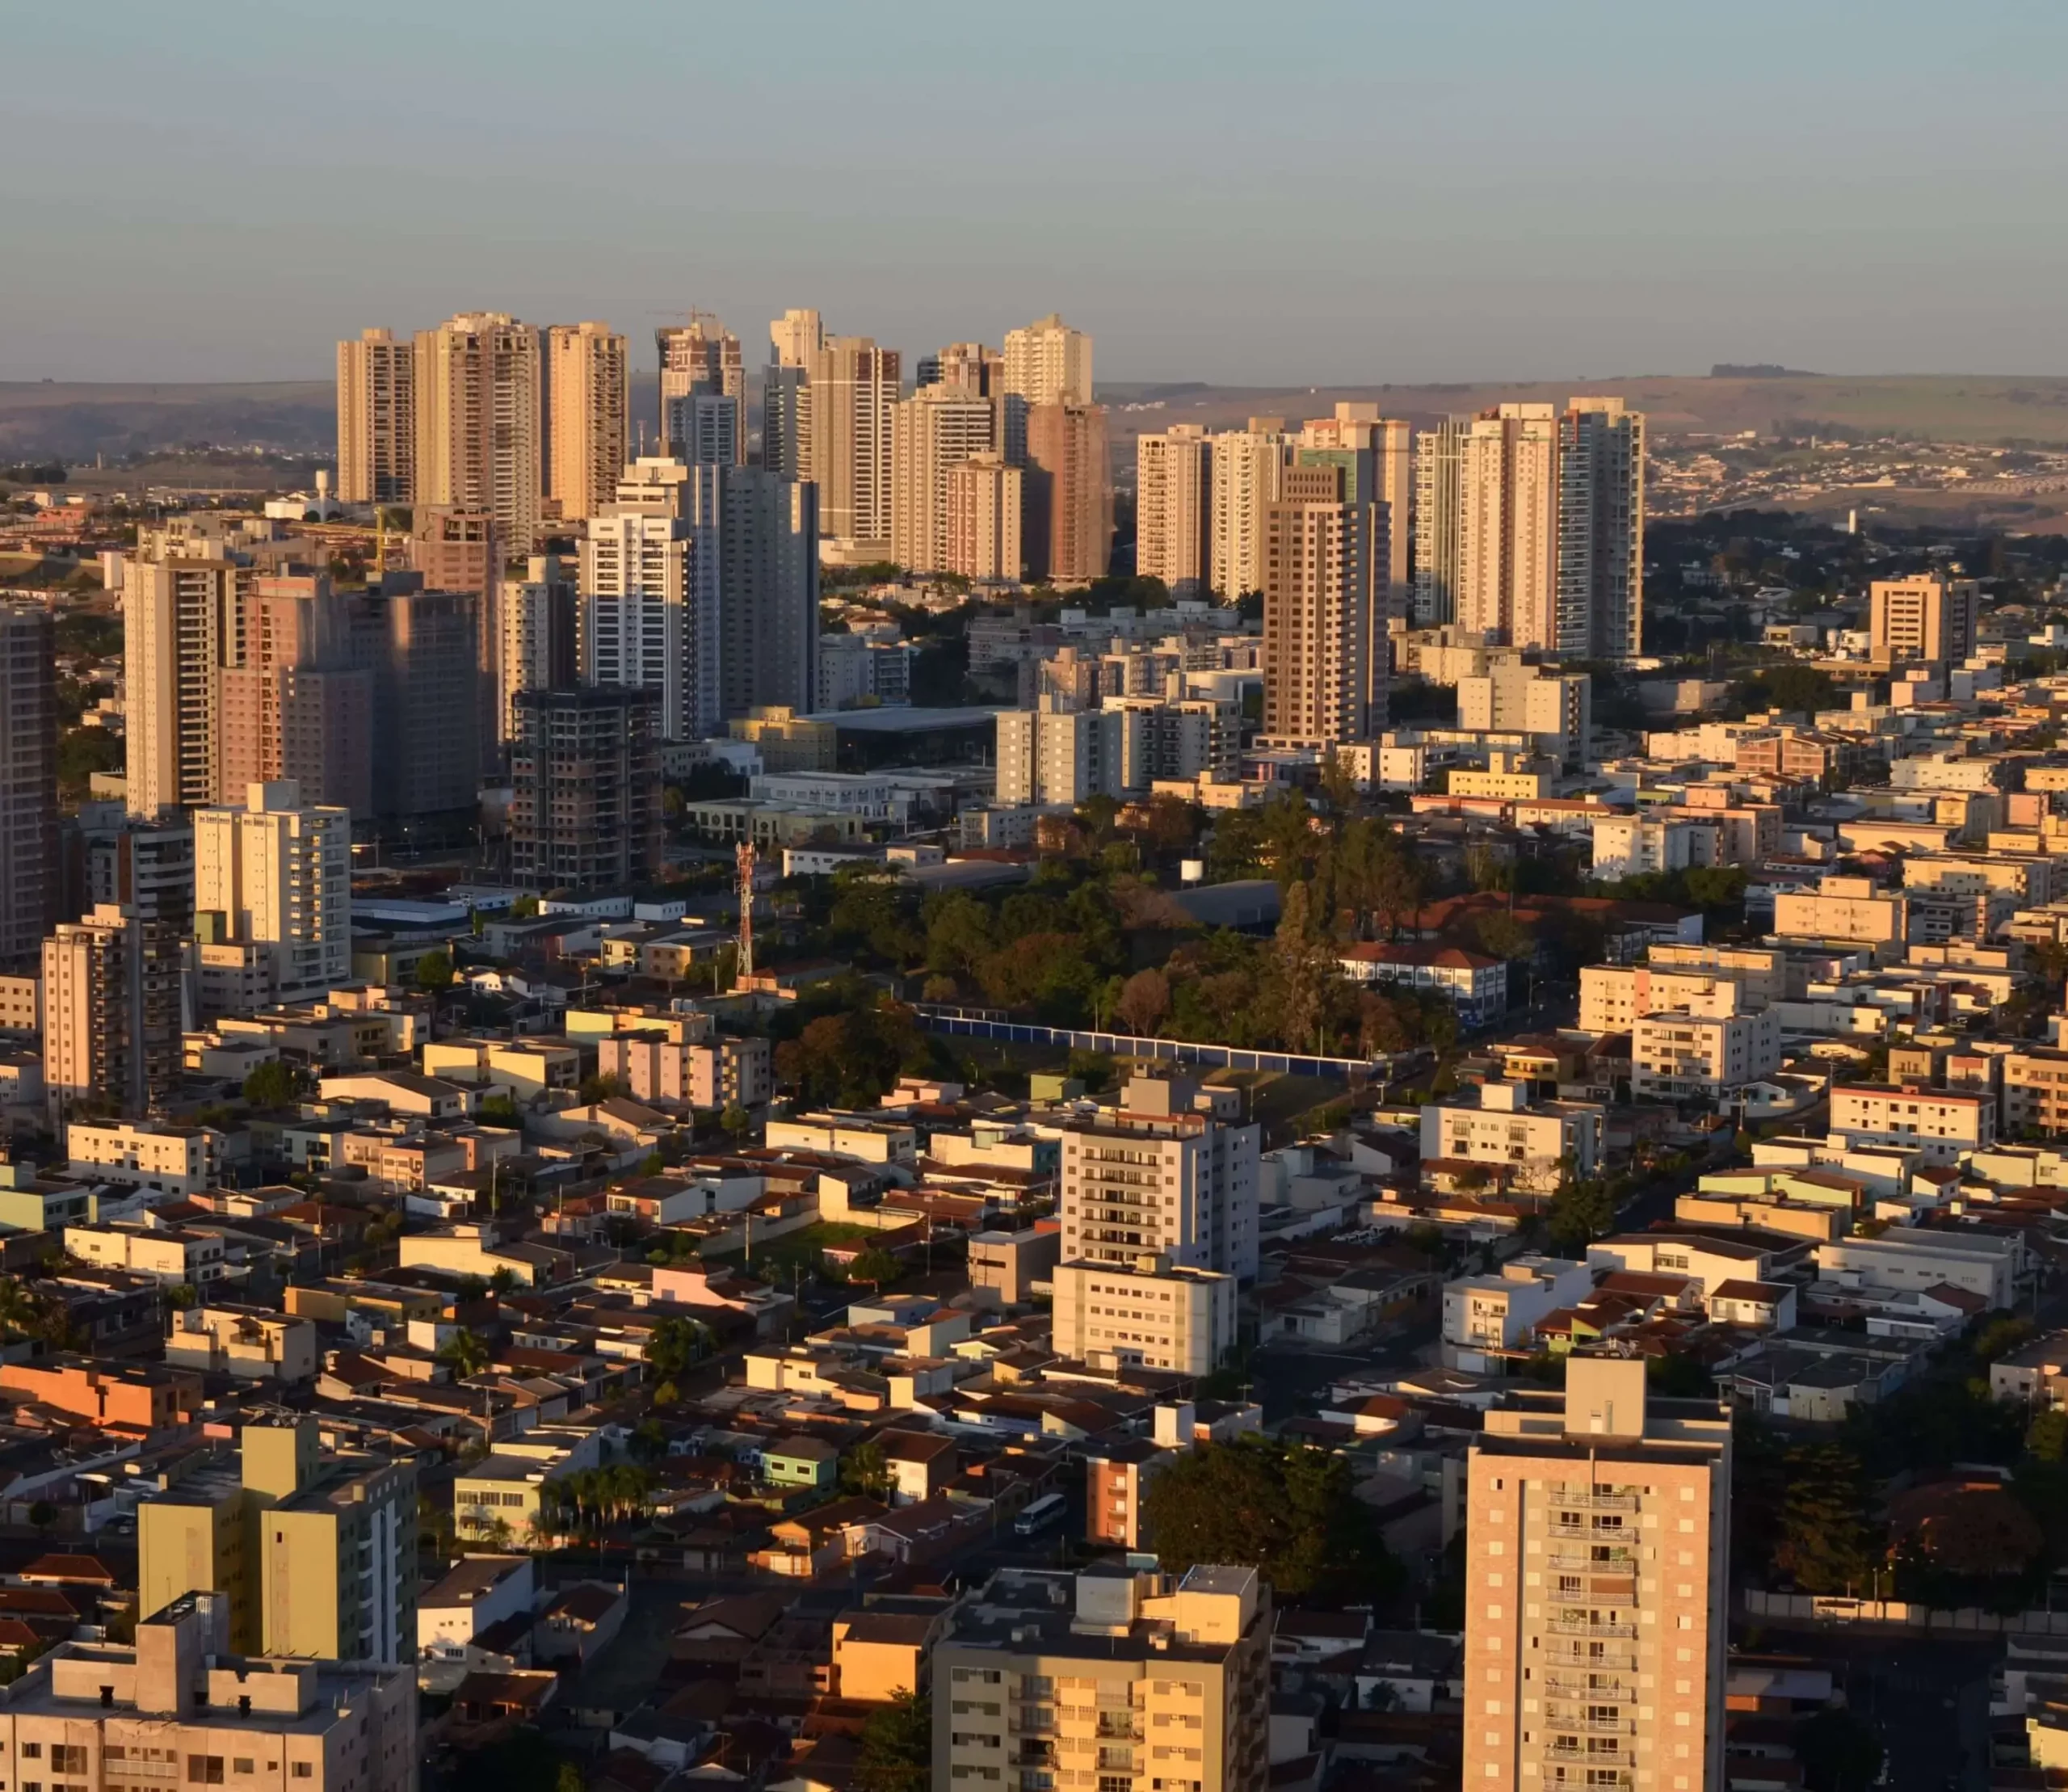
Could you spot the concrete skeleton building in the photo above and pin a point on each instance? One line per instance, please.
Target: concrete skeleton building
(584, 811)
(1597, 1613)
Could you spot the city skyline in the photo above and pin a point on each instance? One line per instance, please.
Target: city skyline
(1759, 198)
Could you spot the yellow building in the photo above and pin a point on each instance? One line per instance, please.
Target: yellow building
(788, 742)
(314, 1553)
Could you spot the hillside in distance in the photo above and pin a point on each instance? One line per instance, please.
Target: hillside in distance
(75, 420)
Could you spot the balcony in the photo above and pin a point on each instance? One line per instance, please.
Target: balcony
(1569, 1626)
(1590, 1687)
(1592, 1753)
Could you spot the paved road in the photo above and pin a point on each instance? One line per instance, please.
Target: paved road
(1927, 1698)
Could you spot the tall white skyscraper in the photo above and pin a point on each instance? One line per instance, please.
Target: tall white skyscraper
(1508, 526)
(1248, 466)
(651, 593)
(1439, 514)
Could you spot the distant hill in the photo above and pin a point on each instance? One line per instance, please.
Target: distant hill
(76, 420)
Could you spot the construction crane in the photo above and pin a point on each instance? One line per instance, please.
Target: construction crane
(743, 960)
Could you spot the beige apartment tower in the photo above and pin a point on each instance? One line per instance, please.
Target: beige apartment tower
(1048, 362)
(1596, 1614)
(851, 394)
(478, 398)
(984, 502)
(794, 337)
(1067, 531)
(276, 875)
(108, 1035)
(1507, 526)
(1174, 508)
(1926, 617)
(700, 357)
(182, 623)
(377, 419)
(1317, 642)
(537, 616)
(589, 398)
(931, 432)
(1243, 481)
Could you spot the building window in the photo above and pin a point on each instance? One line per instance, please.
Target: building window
(204, 1770)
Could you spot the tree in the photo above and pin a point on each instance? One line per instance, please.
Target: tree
(875, 1266)
(467, 1351)
(499, 1110)
(1838, 1753)
(43, 1515)
(896, 1754)
(272, 1084)
(435, 971)
(1304, 966)
(736, 1122)
(1145, 1003)
(674, 1345)
(1582, 1211)
(569, 1779)
(1825, 1542)
(1283, 1508)
(865, 1469)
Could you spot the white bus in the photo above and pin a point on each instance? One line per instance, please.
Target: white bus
(1039, 1516)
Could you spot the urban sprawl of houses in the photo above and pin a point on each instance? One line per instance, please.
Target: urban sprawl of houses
(614, 1174)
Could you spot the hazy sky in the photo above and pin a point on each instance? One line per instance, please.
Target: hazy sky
(1303, 190)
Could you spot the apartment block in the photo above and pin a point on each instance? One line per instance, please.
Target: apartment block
(536, 651)
(2035, 1093)
(1926, 617)
(983, 500)
(177, 1704)
(1067, 533)
(165, 1159)
(182, 623)
(299, 702)
(1630, 846)
(1529, 1141)
(700, 355)
(111, 1006)
(275, 875)
(1601, 529)
(852, 390)
(1841, 908)
(1147, 1312)
(588, 393)
(1318, 640)
(1243, 481)
(377, 419)
(712, 1074)
(430, 699)
(768, 619)
(1555, 709)
(932, 432)
(1157, 1174)
(1676, 1056)
(480, 408)
(1174, 507)
(1042, 1671)
(1613, 997)
(312, 1551)
(1048, 362)
(28, 782)
(1506, 579)
(1597, 1613)
(1943, 1124)
(1439, 545)
(1051, 755)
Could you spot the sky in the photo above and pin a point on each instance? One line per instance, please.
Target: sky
(1348, 191)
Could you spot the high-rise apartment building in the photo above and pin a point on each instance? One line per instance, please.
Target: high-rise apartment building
(1513, 696)
(1508, 527)
(1174, 508)
(700, 356)
(479, 413)
(1159, 1174)
(28, 782)
(970, 368)
(182, 623)
(984, 502)
(275, 875)
(1048, 362)
(454, 547)
(588, 389)
(584, 812)
(1175, 737)
(1438, 519)
(539, 630)
(423, 650)
(1927, 617)
(1381, 452)
(768, 561)
(177, 1699)
(1317, 645)
(314, 1553)
(1243, 482)
(298, 703)
(651, 593)
(1601, 529)
(705, 429)
(931, 431)
(785, 421)
(852, 392)
(1067, 531)
(377, 419)
(1595, 1621)
(111, 1012)
(1152, 1681)
(794, 338)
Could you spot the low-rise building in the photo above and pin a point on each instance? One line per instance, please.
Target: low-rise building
(1475, 983)
(1675, 1055)
(169, 1160)
(1498, 1312)
(1498, 1124)
(1985, 1262)
(1943, 1126)
(1151, 1312)
(248, 1342)
(170, 1254)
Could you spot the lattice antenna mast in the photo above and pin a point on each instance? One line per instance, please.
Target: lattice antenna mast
(743, 964)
